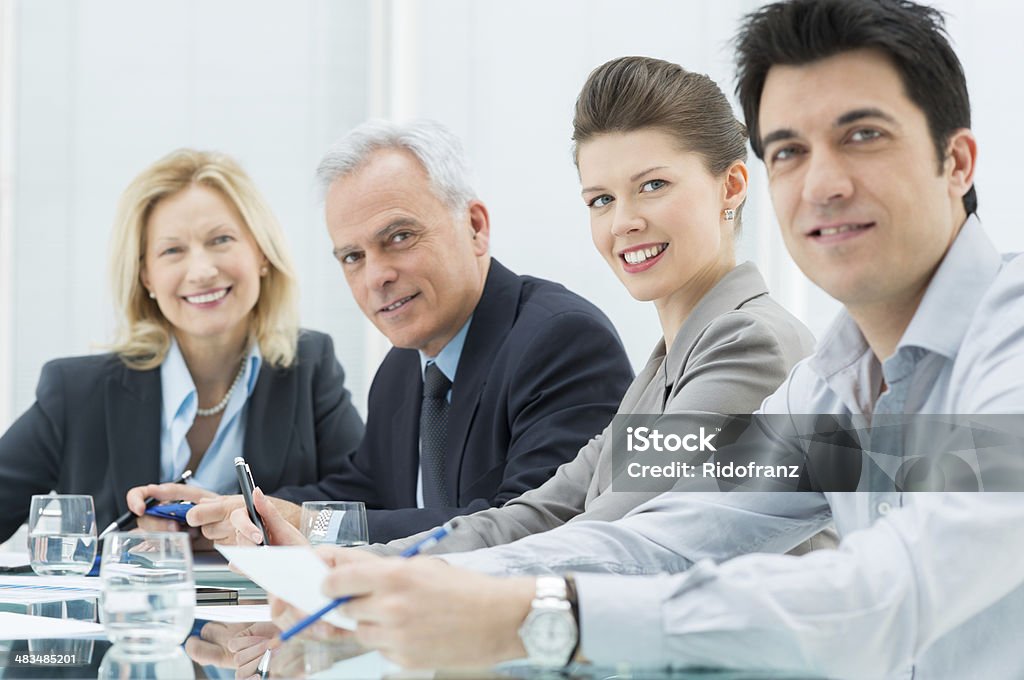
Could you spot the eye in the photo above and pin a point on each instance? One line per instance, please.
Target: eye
(400, 236)
(864, 135)
(350, 257)
(785, 153)
(222, 239)
(600, 201)
(652, 185)
(173, 250)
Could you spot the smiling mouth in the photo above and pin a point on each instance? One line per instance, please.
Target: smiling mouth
(397, 304)
(841, 229)
(641, 256)
(207, 298)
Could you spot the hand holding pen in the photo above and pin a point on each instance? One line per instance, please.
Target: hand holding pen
(141, 498)
(358, 556)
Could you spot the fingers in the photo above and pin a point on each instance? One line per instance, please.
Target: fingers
(359, 574)
(246, 533)
(280, 529)
(336, 556)
(150, 523)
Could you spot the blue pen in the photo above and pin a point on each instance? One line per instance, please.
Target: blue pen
(428, 542)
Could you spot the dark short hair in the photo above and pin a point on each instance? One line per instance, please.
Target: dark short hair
(913, 36)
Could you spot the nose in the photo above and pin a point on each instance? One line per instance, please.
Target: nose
(201, 267)
(380, 272)
(826, 179)
(626, 219)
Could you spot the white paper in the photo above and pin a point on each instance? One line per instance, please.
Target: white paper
(369, 665)
(25, 627)
(234, 613)
(21, 589)
(13, 559)
(292, 573)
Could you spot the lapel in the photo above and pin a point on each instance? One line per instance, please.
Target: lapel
(492, 319)
(132, 405)
(269, 424)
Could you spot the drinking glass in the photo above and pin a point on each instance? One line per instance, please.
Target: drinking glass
(61, 535)
(341, 523)
(148, 596)
(126, 662)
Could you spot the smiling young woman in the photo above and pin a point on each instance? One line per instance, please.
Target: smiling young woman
(208, 346)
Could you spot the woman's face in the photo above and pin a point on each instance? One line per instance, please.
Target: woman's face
(203, 265)
(656, 214)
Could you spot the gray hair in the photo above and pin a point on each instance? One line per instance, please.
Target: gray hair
(436, 147)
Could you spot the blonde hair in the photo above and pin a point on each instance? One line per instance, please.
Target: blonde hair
(143, 334)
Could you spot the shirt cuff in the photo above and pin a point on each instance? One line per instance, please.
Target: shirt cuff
(605, 601)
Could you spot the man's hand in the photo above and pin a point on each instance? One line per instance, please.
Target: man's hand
(424, 613)
(279, 529)
(214, 515)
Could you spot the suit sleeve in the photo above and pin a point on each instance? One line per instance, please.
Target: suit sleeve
(339, 431)
(31, 451)
(564, 389)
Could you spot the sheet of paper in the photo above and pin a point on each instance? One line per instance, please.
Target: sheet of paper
(21, 589)
(292, 573)
(234, 613)
(25, 627)
(13, 559)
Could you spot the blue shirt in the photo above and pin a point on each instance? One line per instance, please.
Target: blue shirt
(923, 585)
(216, 470)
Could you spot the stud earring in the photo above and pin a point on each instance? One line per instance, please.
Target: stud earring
(264, 270)
(152, 295)
(729, 214)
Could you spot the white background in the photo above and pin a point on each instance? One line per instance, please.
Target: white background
(92, 92)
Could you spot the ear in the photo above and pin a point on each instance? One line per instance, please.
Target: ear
(144, 278)
(961, 159)
(734, 185)
(480, 223)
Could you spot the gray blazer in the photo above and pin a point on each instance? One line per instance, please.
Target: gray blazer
(735, 348)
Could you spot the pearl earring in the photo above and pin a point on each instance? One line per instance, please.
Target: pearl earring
(152, 295)
(264, 270)
(729, 214)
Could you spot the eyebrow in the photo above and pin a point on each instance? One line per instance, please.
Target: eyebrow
(845, 119)
(632, 178)
(382, 233)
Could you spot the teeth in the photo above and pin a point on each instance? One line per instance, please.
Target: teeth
(209, 297)
(830, 231)
(638, 256)
(396, 305)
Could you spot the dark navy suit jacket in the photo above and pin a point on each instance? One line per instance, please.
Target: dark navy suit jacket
(541, 372)
(95, 429)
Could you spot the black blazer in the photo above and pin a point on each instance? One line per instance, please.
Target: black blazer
(95, 429)
(541, 372)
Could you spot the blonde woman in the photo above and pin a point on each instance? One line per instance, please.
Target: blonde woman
(209, 361)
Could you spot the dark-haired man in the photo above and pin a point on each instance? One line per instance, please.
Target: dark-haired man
(859, 109)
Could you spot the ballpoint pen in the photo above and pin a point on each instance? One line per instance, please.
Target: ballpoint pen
(127, 518)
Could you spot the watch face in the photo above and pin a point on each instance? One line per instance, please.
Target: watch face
(551, 632)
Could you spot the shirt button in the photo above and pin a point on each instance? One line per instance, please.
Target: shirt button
(883, 508)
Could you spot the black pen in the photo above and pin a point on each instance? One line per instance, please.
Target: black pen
(247, 486)
(125, 520)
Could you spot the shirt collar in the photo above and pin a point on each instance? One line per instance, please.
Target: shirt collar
(944, 314)
(448, 358)
(178, 388)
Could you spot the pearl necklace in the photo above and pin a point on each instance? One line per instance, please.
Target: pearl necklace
(222, 404)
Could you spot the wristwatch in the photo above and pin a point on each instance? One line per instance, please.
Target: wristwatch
(550, 632)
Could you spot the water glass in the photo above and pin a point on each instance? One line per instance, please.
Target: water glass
(341, 523)
(125, 662)
(61, 535)
(148, 596)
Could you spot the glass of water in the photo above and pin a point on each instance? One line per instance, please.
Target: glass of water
(341, 523)
(61, 535)
(148, 597)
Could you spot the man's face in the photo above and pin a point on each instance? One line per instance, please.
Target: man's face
(864, 210)
(415, 270)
